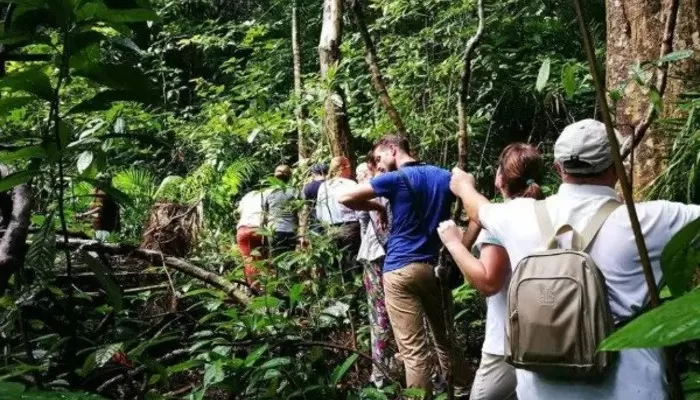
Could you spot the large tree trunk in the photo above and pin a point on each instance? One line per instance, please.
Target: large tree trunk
(299, 112)
(335, 119)
(375, 72)
(636, 33)
(16, 206)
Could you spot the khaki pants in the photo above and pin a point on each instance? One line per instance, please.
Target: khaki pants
(412, 293)
(494, 380)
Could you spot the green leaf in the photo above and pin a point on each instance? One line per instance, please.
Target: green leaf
(84, 161)
(184, 366)
(674, 322)
(116, 194)
(543, 75)
(172, 180)
(677, 55)
(104, 276)
(340, 371)
(276, 363)
(213, 373)
(104, 354)
(31, 80)
(24, 153)
(568, 80)
(295, 294)
(680, 258)
(16, 179)
(255, 355)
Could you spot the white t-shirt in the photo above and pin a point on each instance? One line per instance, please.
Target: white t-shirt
(328, 209)
(250, 209)
(639, 373)
(494, 338)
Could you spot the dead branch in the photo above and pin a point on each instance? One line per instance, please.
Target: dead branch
(12, 244)
(373, 64)
(661, 82)
(158, 258)
(465, 80)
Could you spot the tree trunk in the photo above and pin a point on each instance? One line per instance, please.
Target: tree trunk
(335, 119)
(16, 211)
(464, 81)
(299, 112)
(373, 64)
(636, 33)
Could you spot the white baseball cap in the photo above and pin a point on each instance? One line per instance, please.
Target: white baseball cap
(583, 148)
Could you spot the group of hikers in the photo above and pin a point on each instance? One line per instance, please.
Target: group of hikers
(557, 272)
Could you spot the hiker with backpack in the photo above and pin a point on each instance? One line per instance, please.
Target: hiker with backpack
(419, 198)
(520, 171)
(577, 274)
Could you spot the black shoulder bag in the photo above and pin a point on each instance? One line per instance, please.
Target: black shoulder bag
(446, 270)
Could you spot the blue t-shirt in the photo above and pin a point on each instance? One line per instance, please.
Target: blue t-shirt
(409, 240)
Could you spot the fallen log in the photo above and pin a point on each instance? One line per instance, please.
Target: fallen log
(158, 258)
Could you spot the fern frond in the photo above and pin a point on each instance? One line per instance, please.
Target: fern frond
(41, 255)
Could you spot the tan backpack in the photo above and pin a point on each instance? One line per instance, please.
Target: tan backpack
(558, 311)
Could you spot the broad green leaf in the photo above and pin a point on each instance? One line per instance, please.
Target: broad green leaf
(84, 161)
(213, 373)
(104, 276)
(167, 183)
(16, 179)
(104, 354)
(677, 55)
(680, 258)
(255, 355)
(295, 294)
(543, 75)
(276, 363)
(31, 80)
(340, 371)
(24, 153)
(184, 366)
(673, 322)
(568, 80)
(116, 194)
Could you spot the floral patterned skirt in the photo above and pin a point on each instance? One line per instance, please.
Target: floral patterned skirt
(381, 336)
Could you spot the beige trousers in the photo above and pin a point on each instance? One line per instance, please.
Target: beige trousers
(412, 293)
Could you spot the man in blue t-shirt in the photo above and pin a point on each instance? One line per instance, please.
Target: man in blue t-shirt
(419, 196)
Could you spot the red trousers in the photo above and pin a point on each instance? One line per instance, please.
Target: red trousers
(248, 240)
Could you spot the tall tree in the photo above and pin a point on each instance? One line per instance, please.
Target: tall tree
(647, 31)
(375, 72)
(335, 119)
(300, 112)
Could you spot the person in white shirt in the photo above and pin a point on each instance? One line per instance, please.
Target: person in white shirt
(340, 221)
(583, 160)
(520, 168)
(250, 241)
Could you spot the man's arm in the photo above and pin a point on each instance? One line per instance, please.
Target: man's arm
(360, 198)
(462, 185)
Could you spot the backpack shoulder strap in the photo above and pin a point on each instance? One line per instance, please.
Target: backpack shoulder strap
(591, 230)
(544, 221)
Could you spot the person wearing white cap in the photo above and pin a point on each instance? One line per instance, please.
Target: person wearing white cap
(584, 162)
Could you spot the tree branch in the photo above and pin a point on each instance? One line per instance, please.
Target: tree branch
(158, 258)
(373, 64)
(465, 80)
(661, 82)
